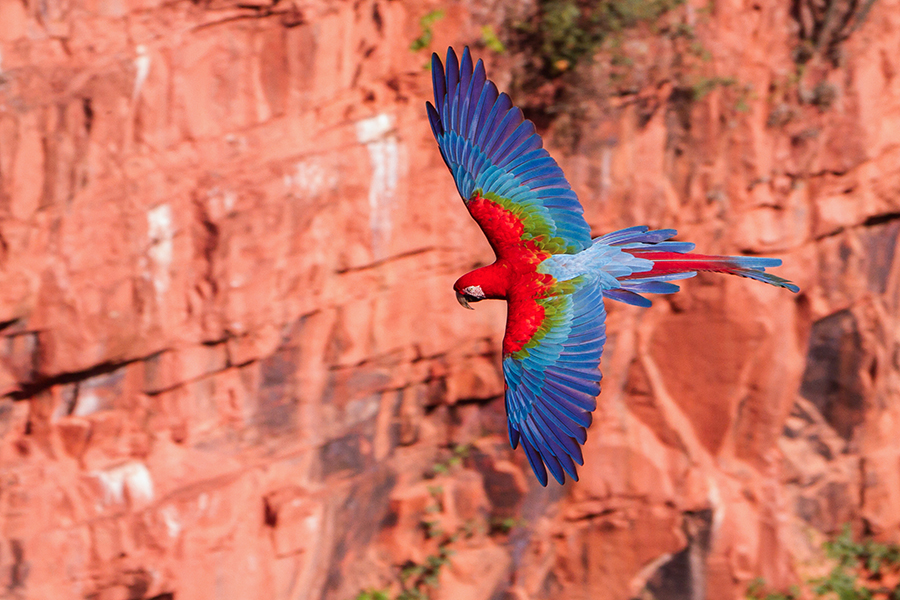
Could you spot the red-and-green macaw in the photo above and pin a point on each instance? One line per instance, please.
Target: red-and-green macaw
(552, 275)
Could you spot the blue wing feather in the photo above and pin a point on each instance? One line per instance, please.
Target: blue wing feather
(563, 447)
(557, 451)
(519, 136)
(465, 80)
(513, 437)
(627, 297)
(491, 148)
(537, 465)
(566, 426)
(489, 95)
(478, 80)
(552, 384)
(437, 80)
(500, 108)
(452, 82)
(542, 448)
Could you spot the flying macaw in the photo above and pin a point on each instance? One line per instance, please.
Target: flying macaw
(552, 275)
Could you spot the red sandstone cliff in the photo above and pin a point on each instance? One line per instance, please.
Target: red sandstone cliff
(231, 353)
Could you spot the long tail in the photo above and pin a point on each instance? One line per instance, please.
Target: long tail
(673, 261)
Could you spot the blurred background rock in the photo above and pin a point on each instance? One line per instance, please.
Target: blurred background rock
(232, 364)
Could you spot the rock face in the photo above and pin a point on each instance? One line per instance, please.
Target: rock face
(233, 366)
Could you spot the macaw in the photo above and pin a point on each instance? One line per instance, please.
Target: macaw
(552, 275)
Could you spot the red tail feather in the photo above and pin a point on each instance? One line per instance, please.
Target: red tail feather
(666, 263)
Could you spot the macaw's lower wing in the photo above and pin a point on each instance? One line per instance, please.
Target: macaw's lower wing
(551, 364)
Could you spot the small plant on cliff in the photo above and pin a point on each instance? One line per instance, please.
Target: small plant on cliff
(420, 578)
(861, 571)
(491, 40)
(704, 85)
(505, 525)
(573, 52)
(425, 24)
(417, 580)
(373, 594)
(757, 591)
(457, 454)
(568, 32)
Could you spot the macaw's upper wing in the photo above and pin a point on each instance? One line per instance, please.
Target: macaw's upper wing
(551, 357)
(511, 185)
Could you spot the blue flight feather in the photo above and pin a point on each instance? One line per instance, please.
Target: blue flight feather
(487, 143)
(552, 386)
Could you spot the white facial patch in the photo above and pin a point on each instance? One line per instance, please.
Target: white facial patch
(475, 291)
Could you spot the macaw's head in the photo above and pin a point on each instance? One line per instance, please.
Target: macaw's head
(486, 282)
(467, 293)
(490, 282)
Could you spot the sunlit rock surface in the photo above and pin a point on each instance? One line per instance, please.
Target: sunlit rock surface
(232, 364)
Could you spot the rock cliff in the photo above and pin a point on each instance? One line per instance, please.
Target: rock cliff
(232, 364)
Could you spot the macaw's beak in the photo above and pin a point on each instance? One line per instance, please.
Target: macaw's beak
(462, 301)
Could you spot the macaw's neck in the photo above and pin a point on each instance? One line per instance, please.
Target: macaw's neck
(494, 280)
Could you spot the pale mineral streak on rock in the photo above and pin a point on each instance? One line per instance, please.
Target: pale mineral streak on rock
(161, 232)
(142, 69)
(377, 133)
(310, 178)
(133, 478)
(171, 520)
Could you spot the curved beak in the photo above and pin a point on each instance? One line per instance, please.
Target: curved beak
(462, 301)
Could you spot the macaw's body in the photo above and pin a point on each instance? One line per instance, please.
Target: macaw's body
(553, 276)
